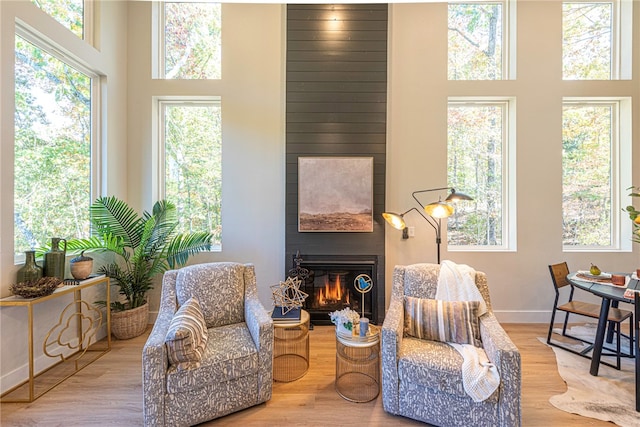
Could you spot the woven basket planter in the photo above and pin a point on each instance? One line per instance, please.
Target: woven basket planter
(129, 323)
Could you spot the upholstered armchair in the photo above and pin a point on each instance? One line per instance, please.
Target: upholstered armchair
(227, 341)
(422, 379)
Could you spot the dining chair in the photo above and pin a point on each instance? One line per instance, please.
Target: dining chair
(636, 309)
(616, 316)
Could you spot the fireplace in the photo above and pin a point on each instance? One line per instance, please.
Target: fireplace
(330, 281)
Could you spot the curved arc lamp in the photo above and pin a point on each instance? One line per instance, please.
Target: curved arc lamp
(435, 211)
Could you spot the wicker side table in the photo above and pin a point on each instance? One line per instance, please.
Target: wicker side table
(358, 367)
(291, 348)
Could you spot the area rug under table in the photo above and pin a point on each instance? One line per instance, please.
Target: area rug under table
(608, 397)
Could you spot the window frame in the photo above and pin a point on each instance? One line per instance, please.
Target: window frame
(96, 144)
(621, 172)
(621, 38)
(88, 29)
(509, 36)
(508, 197)
(158, 40)
(158, 135)
(88, 13)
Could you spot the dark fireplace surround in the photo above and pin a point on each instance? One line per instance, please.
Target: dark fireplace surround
(336, 105)
(330, 285)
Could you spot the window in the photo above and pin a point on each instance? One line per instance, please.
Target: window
(189, 40)
(52, 148)
(191, 137)
(588, 40)
(594, 174)
(477, 40)
(479, 136)
(70, 13)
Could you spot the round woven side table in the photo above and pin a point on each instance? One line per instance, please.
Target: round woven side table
(358, 367)
(291, 348)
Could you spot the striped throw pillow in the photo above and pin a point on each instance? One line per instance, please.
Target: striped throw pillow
(445, 321)
(186, 338)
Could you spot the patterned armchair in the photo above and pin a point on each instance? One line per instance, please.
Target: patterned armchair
(422, 379)
(235, 370)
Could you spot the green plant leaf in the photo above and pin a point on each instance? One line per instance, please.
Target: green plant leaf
(184, 245)
(104, 243)
(146, 245)
(113, 216)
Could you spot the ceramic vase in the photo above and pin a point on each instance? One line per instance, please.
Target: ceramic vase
(30, 271)
(80, 270)
(54, 259)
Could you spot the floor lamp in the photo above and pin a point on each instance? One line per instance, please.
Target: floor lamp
(435, 212)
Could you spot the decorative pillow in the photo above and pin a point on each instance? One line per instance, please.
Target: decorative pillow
(186, 338)
(445, 321)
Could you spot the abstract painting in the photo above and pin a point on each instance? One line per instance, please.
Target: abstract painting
(335, 194)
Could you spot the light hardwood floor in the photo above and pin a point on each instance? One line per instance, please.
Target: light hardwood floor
(109, 392)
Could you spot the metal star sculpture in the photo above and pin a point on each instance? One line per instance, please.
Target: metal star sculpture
(287, 295)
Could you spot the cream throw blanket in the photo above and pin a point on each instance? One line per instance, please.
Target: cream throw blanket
(480, 377)
(457, 282)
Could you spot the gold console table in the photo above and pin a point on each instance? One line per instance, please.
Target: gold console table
(85, 352)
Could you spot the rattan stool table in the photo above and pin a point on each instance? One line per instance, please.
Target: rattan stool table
(291, 348)
(358, 366)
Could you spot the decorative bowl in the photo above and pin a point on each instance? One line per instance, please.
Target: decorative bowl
(80, 270)
(35, 288)
(81, 266)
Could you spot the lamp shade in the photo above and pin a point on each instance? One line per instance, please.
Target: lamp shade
(394, 219)
(455, 196)
(439, 209)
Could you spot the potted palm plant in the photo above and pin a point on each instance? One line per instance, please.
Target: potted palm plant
(144, 246)
(634, 215)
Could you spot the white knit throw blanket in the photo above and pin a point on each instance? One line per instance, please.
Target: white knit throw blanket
(457, 282)
(480, 377)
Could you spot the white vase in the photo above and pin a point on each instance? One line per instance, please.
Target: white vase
(341, 329)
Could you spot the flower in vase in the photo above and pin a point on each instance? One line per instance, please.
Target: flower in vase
(345, 317)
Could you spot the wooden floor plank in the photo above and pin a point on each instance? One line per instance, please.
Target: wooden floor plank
(109, 392)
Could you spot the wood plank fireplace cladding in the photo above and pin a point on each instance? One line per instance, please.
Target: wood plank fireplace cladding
(336, 107)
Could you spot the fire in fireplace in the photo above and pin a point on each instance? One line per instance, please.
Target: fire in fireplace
(333, 293)
(330, 282)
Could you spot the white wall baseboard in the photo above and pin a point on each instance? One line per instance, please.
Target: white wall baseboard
(42, 362)
(509, 316)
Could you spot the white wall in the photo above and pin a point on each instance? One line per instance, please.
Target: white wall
(252, 92)
(107, 59)
(519, 281)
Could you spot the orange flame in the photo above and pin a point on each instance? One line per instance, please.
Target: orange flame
(330, 293)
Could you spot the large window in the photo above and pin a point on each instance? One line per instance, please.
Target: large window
(588, 40)
(192, 141)
(53, 148)
(478, 159)
(591, 178)
(70, 13)
(476, 40)
(189, 39)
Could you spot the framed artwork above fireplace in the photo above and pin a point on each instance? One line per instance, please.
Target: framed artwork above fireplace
(335, 194)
